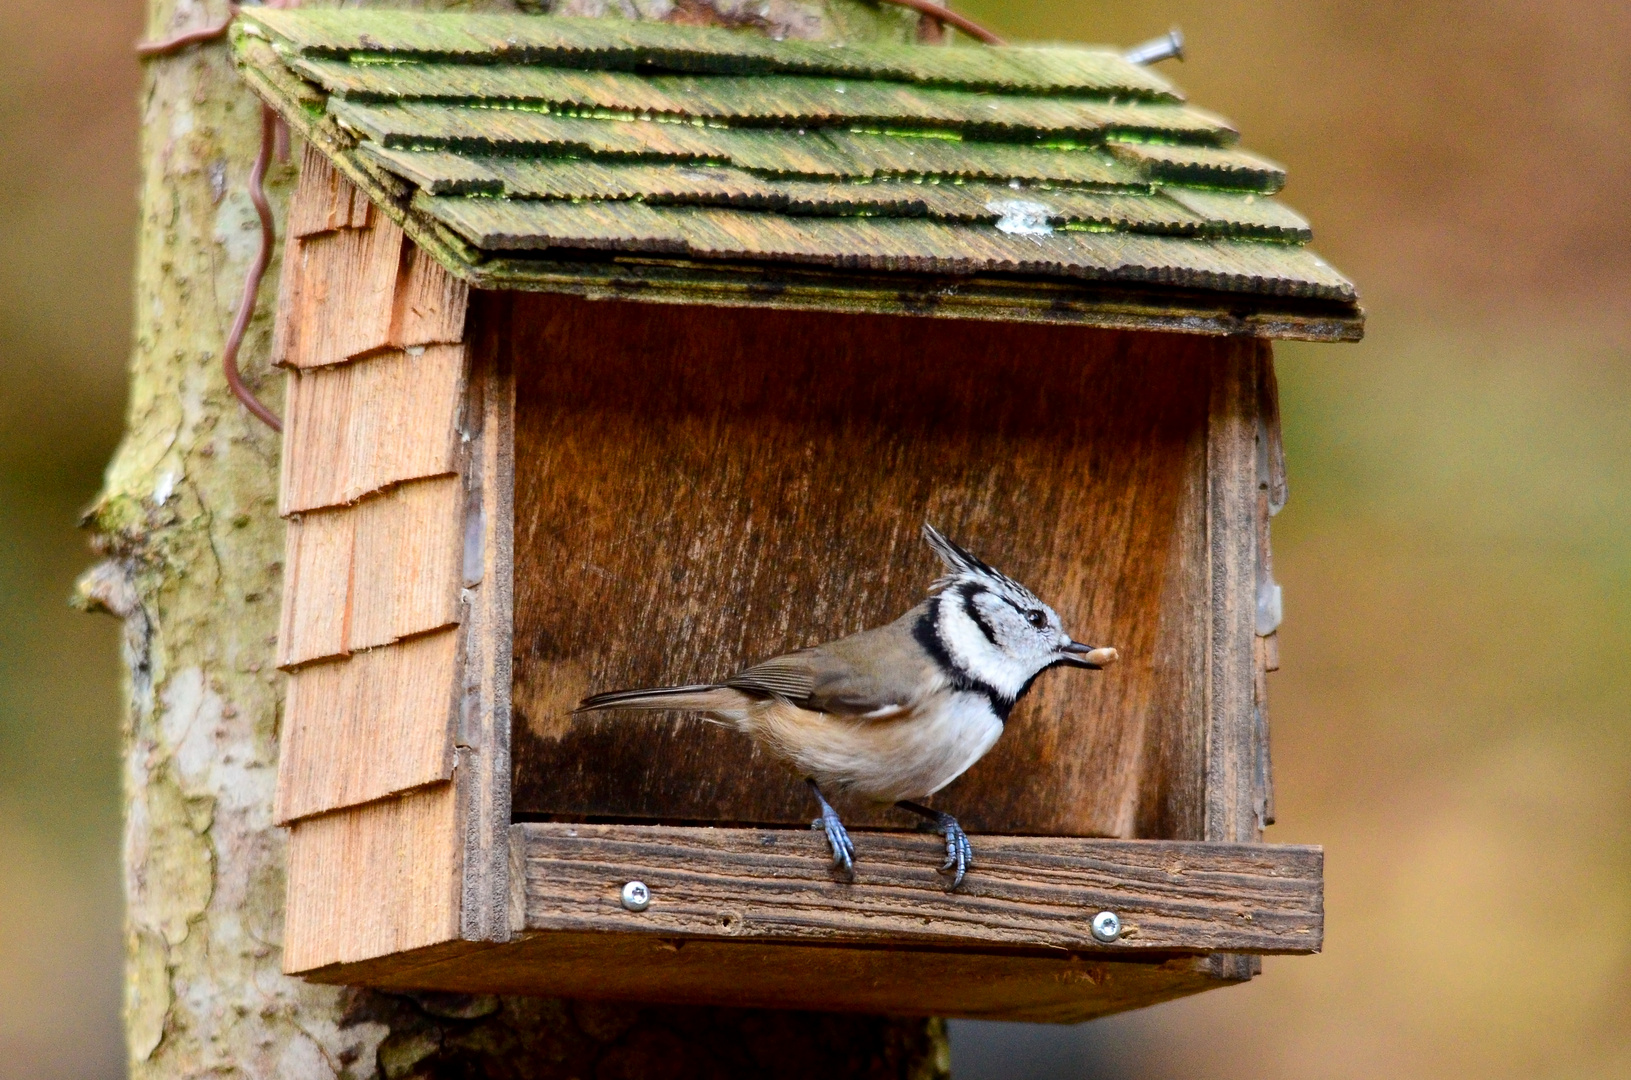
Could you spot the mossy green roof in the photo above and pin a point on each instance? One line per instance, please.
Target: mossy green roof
(705, 165)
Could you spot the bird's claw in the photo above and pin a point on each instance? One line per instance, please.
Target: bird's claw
(959, 852)
(843, 848)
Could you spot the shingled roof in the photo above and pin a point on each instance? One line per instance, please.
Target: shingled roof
(706, 165)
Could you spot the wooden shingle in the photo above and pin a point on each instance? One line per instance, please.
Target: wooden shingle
(356, 429)
(340, 715)
(380, 879)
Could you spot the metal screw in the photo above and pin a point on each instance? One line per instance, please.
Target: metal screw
(1106, 926)
(1169, 46)
(636, 896)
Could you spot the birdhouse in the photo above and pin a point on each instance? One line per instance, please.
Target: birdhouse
(622, 354)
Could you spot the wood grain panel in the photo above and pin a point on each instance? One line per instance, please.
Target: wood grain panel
(354, 429)
(373, 881)
(1023, 891)
(1056, 988)
(700, 488)
(1169, 799)
(373, 725)
(368, 575)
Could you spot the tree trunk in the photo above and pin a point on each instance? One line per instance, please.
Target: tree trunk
(193, 545)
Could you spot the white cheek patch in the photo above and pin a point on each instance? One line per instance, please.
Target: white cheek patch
(974, 653)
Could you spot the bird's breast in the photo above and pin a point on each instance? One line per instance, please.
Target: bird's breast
(909, 756)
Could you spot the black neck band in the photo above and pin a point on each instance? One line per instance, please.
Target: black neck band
(927, 634)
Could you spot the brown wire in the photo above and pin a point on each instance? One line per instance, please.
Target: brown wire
(948, 17)
(146, 49)
(252, 284)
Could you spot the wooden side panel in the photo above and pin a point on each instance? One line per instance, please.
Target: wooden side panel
(373, 881)
(372, 574)
(1234, 810)
(1025, 892)
(697, 489)
(484, 719)
(368, 727)
(358, 428)
(375, 481)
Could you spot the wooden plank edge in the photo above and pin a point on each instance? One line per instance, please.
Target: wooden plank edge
(302, 816)
(387, 488)
(483, 727)
(1039, 987)
(983, 299)
(342, 657)
(730, 286)
(1232, 813)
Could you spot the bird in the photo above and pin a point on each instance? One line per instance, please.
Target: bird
(895, 713)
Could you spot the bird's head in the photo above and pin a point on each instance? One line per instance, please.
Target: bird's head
(997, 631)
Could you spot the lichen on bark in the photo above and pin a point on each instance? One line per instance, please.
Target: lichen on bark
(188, 527)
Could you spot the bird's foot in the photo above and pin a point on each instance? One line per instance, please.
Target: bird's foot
(843, 848)
(959, 852)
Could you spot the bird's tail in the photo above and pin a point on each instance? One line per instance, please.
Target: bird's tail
(703, 697)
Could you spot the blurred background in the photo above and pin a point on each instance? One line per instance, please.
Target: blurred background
(1453, 717)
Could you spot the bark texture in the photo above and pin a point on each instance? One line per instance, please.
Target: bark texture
(187, 522)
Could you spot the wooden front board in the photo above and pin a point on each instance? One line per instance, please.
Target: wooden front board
(1024, 892)
(697, 489)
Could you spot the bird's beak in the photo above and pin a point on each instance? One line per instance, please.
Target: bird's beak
(1087, 656)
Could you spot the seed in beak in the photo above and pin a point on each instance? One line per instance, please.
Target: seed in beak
(1080, 655)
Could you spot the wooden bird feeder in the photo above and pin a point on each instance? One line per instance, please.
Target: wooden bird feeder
(624, 354)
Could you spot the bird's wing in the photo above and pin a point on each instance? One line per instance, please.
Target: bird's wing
(791, 676)
(874, 674)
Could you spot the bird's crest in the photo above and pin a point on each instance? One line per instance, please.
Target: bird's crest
(962, 564)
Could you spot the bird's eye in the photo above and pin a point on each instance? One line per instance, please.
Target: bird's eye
(1037, 618)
